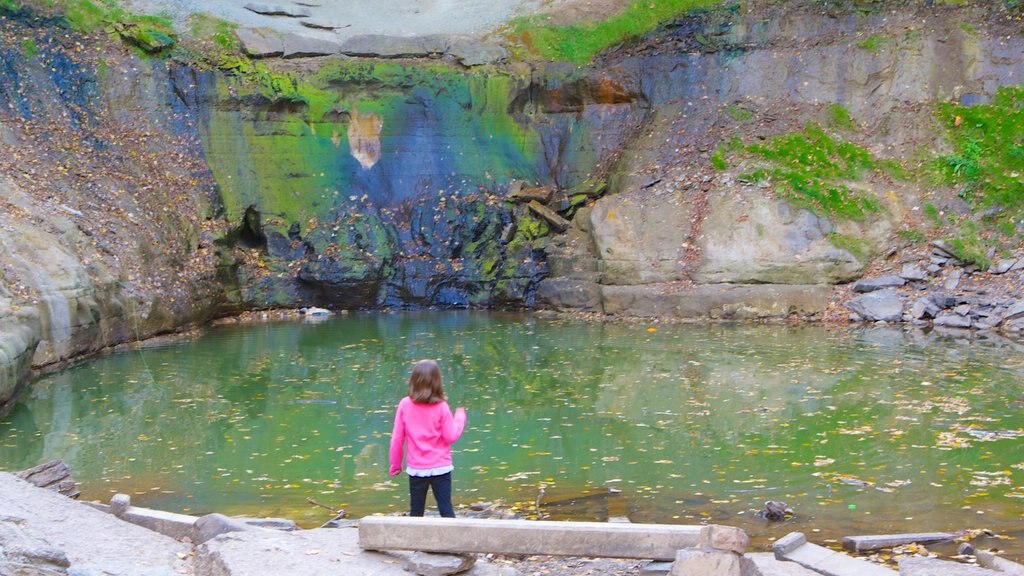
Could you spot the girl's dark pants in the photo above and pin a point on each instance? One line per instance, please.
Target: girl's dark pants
(442, 487)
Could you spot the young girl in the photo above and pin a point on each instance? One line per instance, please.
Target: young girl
(424, 425)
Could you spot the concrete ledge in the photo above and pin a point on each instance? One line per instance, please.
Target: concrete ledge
(177, 526)
(880, 541)
(795, 548)
(592, 539)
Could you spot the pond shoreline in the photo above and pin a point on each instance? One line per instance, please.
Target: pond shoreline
(122, 539)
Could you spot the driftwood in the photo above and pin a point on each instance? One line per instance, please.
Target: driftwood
(550, 216)
(54, 475)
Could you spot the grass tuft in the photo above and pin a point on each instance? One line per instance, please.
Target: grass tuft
(582, 42)
(810, 169)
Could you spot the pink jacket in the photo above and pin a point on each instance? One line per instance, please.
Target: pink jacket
(427, 431)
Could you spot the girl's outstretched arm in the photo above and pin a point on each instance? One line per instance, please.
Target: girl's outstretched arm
(451, 427)
(397, 443)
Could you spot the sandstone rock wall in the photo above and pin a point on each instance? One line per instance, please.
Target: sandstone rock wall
(671, 218)
(104, 235)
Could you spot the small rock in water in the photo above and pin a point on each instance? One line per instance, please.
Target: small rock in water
(775, 511)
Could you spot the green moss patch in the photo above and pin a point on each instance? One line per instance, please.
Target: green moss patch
(810, 169)
(580, 43)
(986, 169)
(987, 162)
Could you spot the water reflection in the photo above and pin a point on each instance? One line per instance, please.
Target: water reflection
(860, 431)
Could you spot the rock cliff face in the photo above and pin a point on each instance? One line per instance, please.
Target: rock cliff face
(141, 196)
(676, 226)
(103, 235)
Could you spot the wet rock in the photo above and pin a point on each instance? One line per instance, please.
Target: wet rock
(213, 525)
(280, 247)
(472, 53)
(774, 511)
(881, 305)
(146, 38)
(378, 45)
(526, 195)
(53, 475)
(274, 10)
(427, 564)
(298, 46)
(880, 283)
(567, 294)
(260, 42)
(952, 320)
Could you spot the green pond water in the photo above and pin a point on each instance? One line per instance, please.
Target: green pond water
(860, 431)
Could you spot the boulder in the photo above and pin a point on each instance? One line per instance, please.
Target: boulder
(703, 562)
(427, 564)
(213, 525)
(952, 320)
(880, 283)
(882, 305)
(747, 238)
(641, 238)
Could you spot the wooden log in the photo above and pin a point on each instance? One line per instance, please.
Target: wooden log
(542, 195)
(54, 475)
(879, 541)
(550, 216)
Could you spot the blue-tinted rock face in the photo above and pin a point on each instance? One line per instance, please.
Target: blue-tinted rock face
(396, 195)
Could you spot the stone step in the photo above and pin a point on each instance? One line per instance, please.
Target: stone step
(547, 538)
(879, 541)
(795, 548)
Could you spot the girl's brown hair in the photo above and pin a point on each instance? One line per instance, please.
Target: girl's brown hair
(425, 383)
